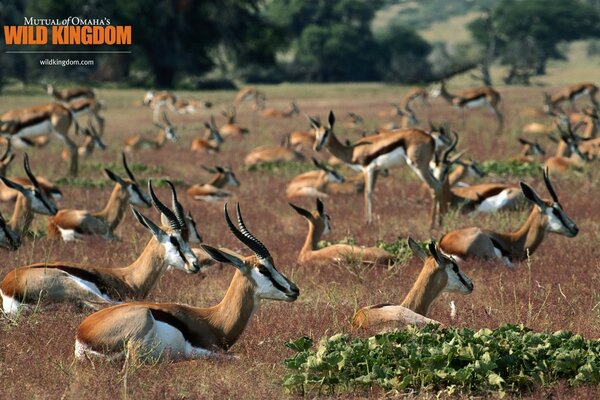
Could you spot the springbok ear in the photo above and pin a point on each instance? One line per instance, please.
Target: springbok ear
(417, 249)
(531, 195)
(220, 169)
(320, 206)
(331, 119)
(114, 177)
(148, 224)
(301, 211)
(13, 185)
(224, 257)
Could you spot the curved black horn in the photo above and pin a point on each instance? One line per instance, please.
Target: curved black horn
(450, 148)
(28, 171)
(549, 186)
(127, 170)
(244, 236)
(176, 206)
(173, 221)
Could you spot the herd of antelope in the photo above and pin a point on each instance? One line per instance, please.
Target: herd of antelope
(123, 318)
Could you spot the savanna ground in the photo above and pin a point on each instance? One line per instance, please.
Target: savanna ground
(558, 289)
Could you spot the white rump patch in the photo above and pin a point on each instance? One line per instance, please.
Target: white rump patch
(12, 306)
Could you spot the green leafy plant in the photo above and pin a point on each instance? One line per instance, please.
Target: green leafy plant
(510, 358)
(512, 168)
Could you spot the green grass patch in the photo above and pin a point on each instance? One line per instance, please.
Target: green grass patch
(512, 168)
(83, 182)
(508, 359)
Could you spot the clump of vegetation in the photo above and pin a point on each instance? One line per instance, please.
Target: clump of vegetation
(84, 182)
(510, 358)
(512, 168)
(321, 244)
(399, 248)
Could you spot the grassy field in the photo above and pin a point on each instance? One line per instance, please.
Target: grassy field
(558, 289)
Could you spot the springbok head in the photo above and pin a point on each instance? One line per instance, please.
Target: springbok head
(318, 218)
(322, 133)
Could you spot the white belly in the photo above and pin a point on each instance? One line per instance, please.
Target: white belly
(476, 103)
(43, 128)
(391, 159)
(580, 94)
(165, 339)
(68, 235)
(90, 287)
(494, 203)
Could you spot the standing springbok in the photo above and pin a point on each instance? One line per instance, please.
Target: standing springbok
(213, 190)
(166, 133)
(546, 216)
(89, 107)
(471, 98)
(92, 140)
(70, 94)
(570, 94)
(70, 224)
(30, 200)
(378, 152)
(439, 274)
(159, 330)
(95, 287)
(23, 123)
(318, 224)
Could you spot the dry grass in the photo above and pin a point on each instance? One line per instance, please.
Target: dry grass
(558, 291)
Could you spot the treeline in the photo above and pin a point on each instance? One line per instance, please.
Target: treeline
(212, 42)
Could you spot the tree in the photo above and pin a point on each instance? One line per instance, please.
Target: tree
(520, 25)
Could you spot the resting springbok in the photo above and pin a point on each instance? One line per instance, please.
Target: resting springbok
(570, 94)
(569, 155)
(530, 150)
(70, 224)
(439, 274)
(178, 331)
(313, 183)
(70, 94)
(546, 216)
(212, 140)
(213, 190)
(270, 112)
(55, 118)
(471, 98)
(30, 200)
(318, 224)
(95, 287)
(381, 151)
(273, 154)
(232, 128)
(167, 132)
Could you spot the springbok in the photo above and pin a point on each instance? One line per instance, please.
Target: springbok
(213, 190)
(212, 140)
(569, 155)
(313, 183)
(381, 151)
(23, 123)
(95, 287)
(249, 93)
(530, 151)
(232, 128)
(89, 107)
(407, 118)
(273, 154)
(159, 330)
(412, 95)
(546, 216)
(570, 94)
(471, 98)
(70, 224)
(167, 132)
(92, 140)
(318, 225)
(9, 240)
(270, 112)
(71, 94)
(30, 200)
(439, 274)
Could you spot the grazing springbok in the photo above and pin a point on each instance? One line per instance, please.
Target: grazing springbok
(70, 94)
(55, 282)
(178, 331)
(318, 225)
(232, 128)
(270, 112)
(546, 216)
(313, 183)
(381, 151)
(212, 140)
(213, 190)
(166, 133)
(471, 98)
(570, 94)
(23, 123)
(439, 274)
(30, 199)
(69, 224)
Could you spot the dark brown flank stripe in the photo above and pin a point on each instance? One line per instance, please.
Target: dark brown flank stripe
(368, 159)
(465, 101)
(81, 107)
(175, 322)
(577, 92)
(30, 122)
(503, 251)
(71, 96)
(380, 305)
